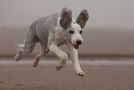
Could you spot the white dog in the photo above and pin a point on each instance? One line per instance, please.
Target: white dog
(53, 31)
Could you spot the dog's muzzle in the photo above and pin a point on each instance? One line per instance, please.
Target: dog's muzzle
(78, 43)
(76, 46)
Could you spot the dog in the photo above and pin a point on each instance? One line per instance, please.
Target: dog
(53, 31)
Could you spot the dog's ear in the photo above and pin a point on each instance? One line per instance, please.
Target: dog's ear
(66, 17)
(82, 18)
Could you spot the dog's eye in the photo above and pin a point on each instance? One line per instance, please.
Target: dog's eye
(71, 31)
(81, 32)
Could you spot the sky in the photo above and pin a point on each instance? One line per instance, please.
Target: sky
(103, 13)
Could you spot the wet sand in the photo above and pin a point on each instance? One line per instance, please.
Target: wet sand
(45, 77)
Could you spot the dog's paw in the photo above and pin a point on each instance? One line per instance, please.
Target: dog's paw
(59, 67)
(81, 73)
(36, 62)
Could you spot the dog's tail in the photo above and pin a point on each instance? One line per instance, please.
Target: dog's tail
(20, 45)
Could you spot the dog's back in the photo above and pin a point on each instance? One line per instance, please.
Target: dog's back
(43, 26)
(39, 32)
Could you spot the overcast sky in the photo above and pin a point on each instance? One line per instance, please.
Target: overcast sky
(103, 13)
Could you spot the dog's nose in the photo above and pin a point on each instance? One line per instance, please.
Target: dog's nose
(79, 42)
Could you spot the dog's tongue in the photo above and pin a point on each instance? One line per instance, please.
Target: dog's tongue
(76, 46)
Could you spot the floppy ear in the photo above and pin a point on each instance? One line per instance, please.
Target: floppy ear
(66, 17)
(82, 18)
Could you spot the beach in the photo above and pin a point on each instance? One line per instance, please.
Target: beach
(22, 76)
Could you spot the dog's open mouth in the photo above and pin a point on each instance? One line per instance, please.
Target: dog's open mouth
(76, 46)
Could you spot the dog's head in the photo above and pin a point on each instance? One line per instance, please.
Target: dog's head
(73, 28)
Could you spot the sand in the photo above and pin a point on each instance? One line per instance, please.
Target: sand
(45, 77)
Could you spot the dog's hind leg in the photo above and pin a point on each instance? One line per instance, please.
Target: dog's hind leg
(25, 50)
(44, 51)
(28, 46)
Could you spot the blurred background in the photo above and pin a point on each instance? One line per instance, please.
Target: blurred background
(109, 31)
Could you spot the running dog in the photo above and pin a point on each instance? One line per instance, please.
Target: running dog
(53, 31)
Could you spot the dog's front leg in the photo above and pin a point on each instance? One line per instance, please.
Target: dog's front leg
(73, 53)
(62, 55)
